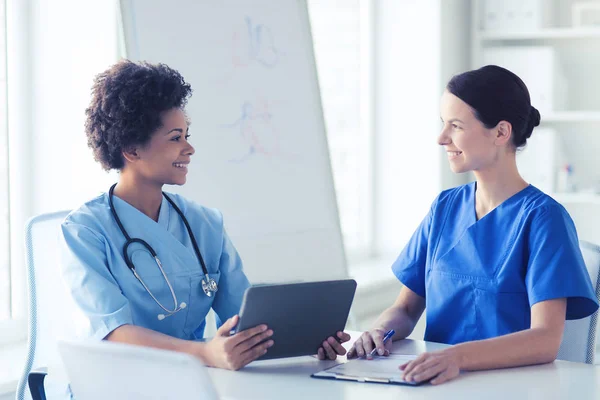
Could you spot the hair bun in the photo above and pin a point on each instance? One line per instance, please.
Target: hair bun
(534, 120)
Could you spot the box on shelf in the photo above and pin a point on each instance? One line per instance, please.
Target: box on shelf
(517, 15)
(539, 161)
(586, 14)
(539, 68)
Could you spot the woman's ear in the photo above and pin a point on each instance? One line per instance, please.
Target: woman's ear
(503, 133)
(131, 155)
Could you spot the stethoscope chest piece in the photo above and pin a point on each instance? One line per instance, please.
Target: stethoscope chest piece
(209, 286)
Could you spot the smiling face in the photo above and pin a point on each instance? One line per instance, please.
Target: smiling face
(469, 145)
(164, 160)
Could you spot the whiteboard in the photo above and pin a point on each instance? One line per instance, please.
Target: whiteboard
(257, 126)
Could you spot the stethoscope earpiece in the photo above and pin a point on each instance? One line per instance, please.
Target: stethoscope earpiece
(181, 307)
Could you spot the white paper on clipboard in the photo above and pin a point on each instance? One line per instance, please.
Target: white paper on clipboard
(384, 369)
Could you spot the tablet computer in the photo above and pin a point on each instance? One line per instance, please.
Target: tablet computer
(301, 315)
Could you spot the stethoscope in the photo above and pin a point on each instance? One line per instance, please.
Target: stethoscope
(209, 285)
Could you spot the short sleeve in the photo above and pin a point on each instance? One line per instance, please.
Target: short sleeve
(409, 267)
(88, 278)
(556, 268)
(232, 284)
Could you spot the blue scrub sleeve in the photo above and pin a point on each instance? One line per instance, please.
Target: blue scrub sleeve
(232, 284)
(92, 286)
(410, 265)
(556, 268)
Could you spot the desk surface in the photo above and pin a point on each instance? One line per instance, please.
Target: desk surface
(290, 379)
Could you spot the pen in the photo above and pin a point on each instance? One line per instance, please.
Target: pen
(388, 335)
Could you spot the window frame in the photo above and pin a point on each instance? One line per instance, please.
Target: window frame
(18, 61)
(368, 135)
(4, 112)
(363, 245)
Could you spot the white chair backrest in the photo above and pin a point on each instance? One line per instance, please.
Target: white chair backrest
(51, 310)
(579, 337)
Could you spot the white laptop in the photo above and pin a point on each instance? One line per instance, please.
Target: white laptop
(106, 370)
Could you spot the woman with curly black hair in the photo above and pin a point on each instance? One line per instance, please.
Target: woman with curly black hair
(144, 266)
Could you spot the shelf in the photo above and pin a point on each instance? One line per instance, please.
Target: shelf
(553, 33)
(577, 197)
(571, 116)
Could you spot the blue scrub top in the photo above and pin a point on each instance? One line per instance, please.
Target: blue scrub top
(480, 278)
(108, 293)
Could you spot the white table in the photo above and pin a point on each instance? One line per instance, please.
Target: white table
(290, 379)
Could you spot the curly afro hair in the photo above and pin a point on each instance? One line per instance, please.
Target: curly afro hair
(128, 100)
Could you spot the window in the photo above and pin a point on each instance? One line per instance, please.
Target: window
(341, 38)
(50, 72)
(5, 303)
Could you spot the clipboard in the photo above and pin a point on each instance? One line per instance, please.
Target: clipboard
(382, 370)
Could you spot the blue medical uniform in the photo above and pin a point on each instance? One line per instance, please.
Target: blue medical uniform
(480, 278)
(108, 293)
